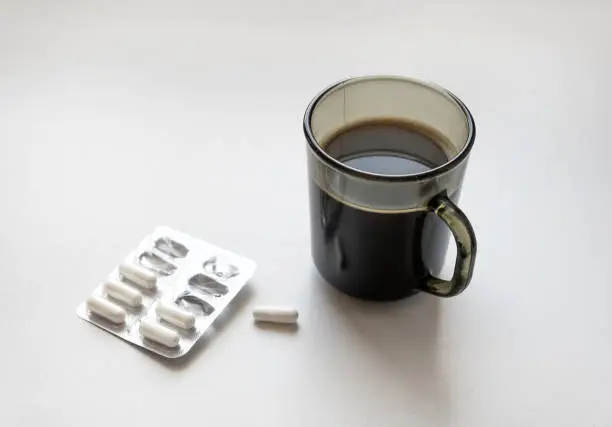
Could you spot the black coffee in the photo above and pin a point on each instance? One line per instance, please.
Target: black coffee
(376, 255)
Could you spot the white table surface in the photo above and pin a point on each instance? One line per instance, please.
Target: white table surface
(117, 116)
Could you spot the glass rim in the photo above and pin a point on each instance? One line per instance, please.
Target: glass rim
(419, 176)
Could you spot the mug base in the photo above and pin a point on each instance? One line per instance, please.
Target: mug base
(363, 293)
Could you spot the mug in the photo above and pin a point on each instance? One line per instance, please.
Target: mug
(386, 161)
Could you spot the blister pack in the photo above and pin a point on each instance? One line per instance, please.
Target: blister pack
(168, 292)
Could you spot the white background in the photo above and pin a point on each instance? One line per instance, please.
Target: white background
(117, 116)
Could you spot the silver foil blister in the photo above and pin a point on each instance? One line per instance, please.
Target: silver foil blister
(193, 275)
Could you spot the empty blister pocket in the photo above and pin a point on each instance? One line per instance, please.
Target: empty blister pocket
(157, 264)
(208, 285)
(171, 248)
(221, 267)
(194, 304)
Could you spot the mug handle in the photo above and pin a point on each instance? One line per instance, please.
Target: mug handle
(465, 238)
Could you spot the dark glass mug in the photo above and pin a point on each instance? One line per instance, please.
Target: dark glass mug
(378, 233)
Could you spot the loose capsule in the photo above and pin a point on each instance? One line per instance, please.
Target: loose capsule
(275, 314)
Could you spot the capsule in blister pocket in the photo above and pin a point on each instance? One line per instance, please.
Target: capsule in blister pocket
(139, 275)
(160, 334)
(175, 315)
(122, 292)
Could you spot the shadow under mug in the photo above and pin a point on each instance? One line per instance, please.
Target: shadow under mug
(385, 236)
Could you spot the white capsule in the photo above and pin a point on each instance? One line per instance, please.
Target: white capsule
(175, 315)
(124, 293)
(160, 334)
(139, 275)
(275, 314)
(104, 308)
